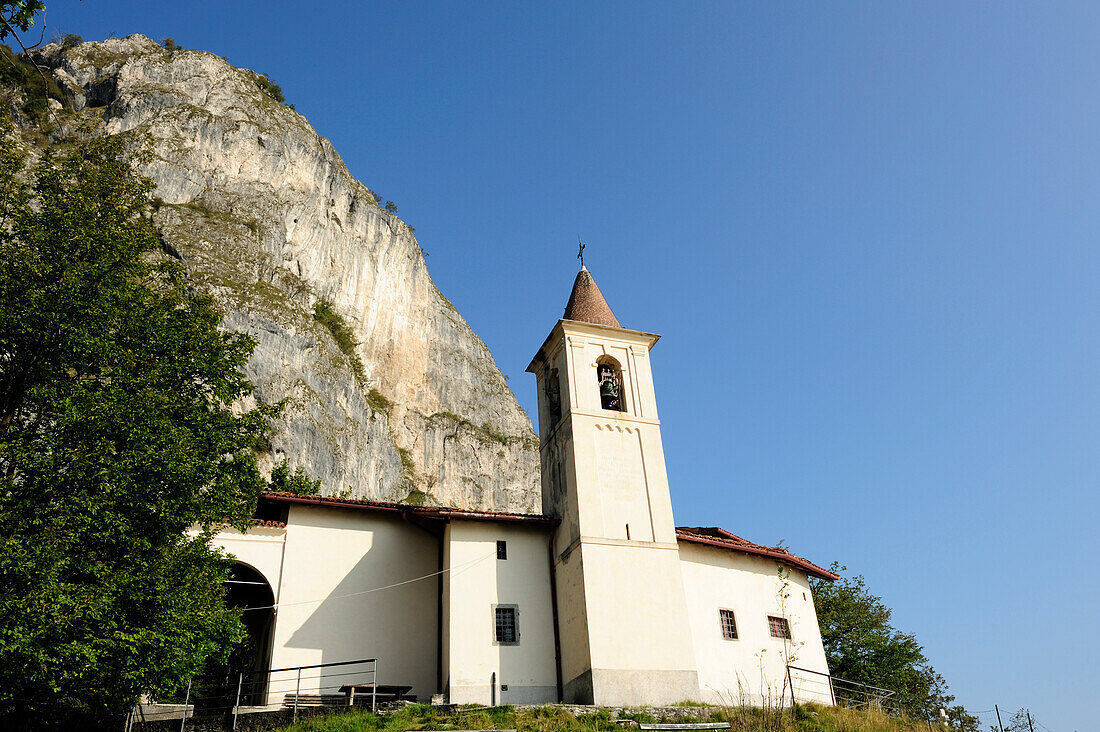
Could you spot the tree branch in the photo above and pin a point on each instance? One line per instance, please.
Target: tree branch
(45, 83)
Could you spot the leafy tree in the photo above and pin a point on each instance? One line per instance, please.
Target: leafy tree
(1021, 721)
(298, 482)
(117, 437)
(862, 646)
(18, 14)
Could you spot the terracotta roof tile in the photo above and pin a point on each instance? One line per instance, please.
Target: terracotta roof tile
(714, 536)
(586, 303)
(268, 524)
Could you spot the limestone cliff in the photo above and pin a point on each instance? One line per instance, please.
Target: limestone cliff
(263, 213)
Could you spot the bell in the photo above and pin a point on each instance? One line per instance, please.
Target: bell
(609, 389)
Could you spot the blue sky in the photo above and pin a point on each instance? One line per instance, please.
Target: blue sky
(867, 232)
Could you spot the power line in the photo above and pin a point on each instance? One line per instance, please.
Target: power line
(466, 565)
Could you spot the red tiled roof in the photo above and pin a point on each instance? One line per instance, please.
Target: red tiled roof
(268, 524)
(714, 536)
(586, 303)
(426, 511)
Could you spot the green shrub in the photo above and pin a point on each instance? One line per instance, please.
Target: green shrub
(341, 333)
(268, 86)
(407, 463)
(169, 44)
(283, 481)
(71, 40)
(378, 401)
(36, 86)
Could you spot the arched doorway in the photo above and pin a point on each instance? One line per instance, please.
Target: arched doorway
(248, 590)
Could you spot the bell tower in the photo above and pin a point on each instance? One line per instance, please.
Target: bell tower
(622, 612)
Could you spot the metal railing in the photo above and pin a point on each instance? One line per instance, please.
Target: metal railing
(807, 684)
(339, 684)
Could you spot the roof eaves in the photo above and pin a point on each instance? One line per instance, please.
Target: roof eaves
(427, 511)
(747, 547)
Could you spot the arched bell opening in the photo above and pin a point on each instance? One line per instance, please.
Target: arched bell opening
(248, 590)
(609, 376)
(553, 396)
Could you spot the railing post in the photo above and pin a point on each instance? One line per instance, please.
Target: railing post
(792, 685)
(237, 706)
(374, 688)
(186, 700)
(297, 691)
(832, 691)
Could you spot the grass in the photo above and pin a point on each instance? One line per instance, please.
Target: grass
(486, 430)
(551, 718)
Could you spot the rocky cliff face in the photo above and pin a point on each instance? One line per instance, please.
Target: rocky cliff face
(263, 213)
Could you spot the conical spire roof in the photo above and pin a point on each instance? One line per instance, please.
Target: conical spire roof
(586, 303)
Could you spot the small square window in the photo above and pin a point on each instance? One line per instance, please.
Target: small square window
(729, 624)
(502, 550)
(506, 625)
(779, 627)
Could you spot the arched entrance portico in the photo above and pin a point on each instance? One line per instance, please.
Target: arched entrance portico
(247, 589)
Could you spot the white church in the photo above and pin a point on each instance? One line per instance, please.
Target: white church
(601, 599)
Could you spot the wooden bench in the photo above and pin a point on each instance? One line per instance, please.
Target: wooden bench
(383, 693)
(314, 700)
(686, 725)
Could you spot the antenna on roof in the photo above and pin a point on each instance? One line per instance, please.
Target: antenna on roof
(580, 252)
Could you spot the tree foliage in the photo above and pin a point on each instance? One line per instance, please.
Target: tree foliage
(861, 645)
(117, 437)
(18, 15)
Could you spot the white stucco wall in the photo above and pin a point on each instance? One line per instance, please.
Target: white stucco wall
(475, 583)
(260, 548)
(331, 607)
(751, 669)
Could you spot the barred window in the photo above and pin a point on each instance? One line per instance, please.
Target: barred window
(729, 625)
(779, 627)
(502, 550)
(507, 629)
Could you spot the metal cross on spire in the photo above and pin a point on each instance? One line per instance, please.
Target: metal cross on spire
(580, 252)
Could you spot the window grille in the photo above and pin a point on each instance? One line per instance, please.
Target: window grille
(502, 550)
(506, 630)
(779, 627)
(729, 625)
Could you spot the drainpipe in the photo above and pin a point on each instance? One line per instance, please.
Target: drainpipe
(439, 617)
(554, 608)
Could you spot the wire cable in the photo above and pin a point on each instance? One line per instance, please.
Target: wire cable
(455, 570)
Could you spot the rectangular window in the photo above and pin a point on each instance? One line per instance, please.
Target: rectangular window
(729, 625)
(779, 627)
(502, 550)
(507, 625)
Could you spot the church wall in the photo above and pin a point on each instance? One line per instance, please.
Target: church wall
(333, 553)
(477, 582)
(638, 631)
(261, 548)
(573, 628)
(750, 669)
